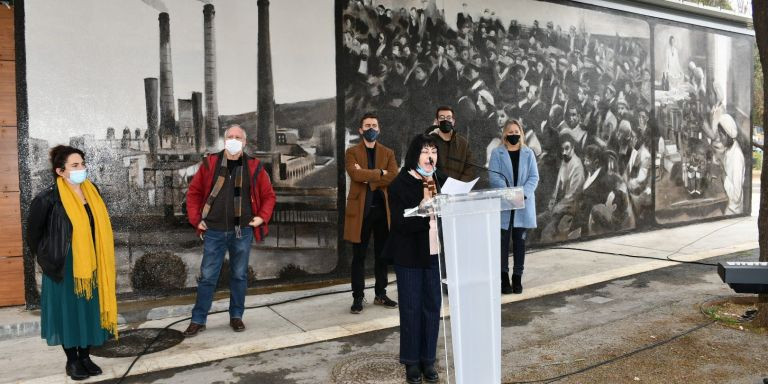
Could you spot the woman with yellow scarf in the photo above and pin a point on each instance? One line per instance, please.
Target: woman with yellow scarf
(70, 234)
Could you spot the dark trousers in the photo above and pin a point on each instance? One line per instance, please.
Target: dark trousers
(374, 223)
(418, 291)
(517, 236)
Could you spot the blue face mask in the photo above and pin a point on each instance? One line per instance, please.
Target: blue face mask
(424, 173)
(370, 135)
(78, 177)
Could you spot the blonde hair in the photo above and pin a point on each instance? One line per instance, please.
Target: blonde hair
(519, 125)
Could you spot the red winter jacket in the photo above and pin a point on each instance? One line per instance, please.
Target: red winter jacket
(262, 195)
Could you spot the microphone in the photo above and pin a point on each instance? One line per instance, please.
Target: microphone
(506, 181)
(431, 162)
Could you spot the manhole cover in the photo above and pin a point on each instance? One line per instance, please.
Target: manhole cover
(379, 368)
(133, 341)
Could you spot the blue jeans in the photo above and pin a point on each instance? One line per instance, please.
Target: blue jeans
(215, 245)
(418, 290)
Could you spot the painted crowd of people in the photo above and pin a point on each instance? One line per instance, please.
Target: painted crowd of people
(584, 101)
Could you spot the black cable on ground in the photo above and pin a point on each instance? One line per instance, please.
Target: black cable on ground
(636, 256)
(609, 361)
(628, 354)
(650, 346)
(286, 301)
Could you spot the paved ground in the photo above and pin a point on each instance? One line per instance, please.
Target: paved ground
(543, 338)
(548, 271)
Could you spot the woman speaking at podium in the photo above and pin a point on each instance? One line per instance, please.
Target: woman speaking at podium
(517, 163)
(413, 244)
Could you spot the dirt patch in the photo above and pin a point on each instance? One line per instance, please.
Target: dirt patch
(735, 312)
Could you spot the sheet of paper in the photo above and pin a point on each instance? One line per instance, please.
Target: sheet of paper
(455, 187)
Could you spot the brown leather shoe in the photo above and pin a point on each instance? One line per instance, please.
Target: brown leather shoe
(237, 324)
(193, 329)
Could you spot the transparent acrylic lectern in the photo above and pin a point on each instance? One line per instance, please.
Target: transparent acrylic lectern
(471, 237)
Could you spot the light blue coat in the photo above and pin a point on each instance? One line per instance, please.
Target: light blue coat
(528, 178)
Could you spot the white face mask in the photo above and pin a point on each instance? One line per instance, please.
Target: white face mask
(233, 146)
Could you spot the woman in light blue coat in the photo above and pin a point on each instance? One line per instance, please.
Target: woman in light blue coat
(517, 163)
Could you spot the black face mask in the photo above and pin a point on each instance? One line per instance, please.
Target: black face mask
(445, 126)
(370, 135)
(513, 139)
(566, 158)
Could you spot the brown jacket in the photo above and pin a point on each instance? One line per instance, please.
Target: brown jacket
(360, 181)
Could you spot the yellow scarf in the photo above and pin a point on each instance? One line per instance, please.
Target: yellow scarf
(89, 262)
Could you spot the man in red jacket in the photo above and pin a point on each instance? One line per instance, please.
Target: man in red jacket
(230, 201)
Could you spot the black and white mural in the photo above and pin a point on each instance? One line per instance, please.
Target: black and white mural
(580, 80)
(703, 102)
(146, 87)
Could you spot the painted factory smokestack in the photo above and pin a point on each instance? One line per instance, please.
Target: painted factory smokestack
(150, 95)
(265, 134)
(211, 102)
(197, 121)
(167, 116)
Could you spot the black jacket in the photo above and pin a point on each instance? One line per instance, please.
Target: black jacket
(49, 232)
(408, 240)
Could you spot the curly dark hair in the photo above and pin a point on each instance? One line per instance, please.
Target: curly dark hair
(59, 155)
(414, 150)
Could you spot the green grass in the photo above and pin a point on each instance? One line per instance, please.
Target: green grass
(714, 313)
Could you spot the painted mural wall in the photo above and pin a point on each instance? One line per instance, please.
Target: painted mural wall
(145, 88)
(623, 121)
(703, 103)
(634, 122)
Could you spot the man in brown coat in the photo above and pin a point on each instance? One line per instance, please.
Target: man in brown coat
(371, 167)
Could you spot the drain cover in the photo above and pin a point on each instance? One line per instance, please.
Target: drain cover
(379, 368)
(133, 341)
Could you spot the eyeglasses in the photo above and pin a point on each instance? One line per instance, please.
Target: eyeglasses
(444, 118)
